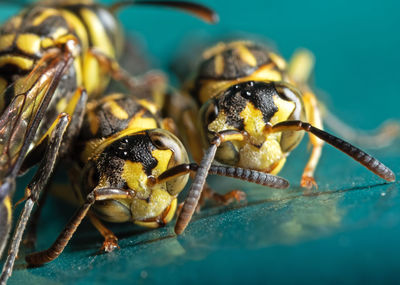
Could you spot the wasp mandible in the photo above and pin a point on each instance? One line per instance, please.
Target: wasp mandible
(249, 109)
(53, 56)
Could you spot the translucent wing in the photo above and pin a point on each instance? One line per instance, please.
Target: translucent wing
(20, 120)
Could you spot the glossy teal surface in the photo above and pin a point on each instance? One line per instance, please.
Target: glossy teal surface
(346, 232)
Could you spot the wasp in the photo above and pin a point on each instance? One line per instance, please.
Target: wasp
(248, 108)
(130, 167)
(53, 56)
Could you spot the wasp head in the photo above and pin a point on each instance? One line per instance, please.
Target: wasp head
(133, 162)
(250, 108)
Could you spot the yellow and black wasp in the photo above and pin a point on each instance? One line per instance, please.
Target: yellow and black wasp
(53, 56)
(249, 109)
(130, 167)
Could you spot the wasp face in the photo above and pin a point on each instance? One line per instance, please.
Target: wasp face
(134, 162)
(250, 107)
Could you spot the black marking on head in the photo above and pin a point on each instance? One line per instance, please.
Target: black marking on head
(234, 66)
(135, 148)
(235, 99)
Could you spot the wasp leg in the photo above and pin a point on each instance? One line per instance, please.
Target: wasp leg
(311, 105)
(111, 66)
(61, 242)
(75, 108)
(36, 185)
(110, 240)
(5, 221)
(300, 70)
(31, 233)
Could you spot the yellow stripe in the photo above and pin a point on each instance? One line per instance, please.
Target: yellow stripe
(246, 55)
(116, 110)
(97, 33)
(219, 64)
(44, 15)
(139, 123)
(279, 61)
(78, 27)
(6, 41)
(148, 105)
(21, 62)
(90, 152)
(29, 43)
(7, 204)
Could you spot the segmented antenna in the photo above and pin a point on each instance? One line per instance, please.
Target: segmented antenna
(197, 10)
(195, 190)
(357, 154)
(250, 175)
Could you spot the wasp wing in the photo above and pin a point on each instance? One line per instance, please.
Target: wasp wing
(20, 120)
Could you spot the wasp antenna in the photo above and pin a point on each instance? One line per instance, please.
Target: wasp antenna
(197, 10)
(195, 190)
(250, 175)
(357, 154)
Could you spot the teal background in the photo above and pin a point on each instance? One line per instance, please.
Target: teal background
(346, 232)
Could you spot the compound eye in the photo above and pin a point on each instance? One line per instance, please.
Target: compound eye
(159, 140)
(288, 92)
(211, 112)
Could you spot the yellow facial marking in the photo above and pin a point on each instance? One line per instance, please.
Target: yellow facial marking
(163, 157)
(138, 122)
(279, 61)
(6, 41)
(116, 110)
(159, 201)
(171, 211)
(262, 159)
(136, 178)
(21, 62)
(29, 43)
(219, 64)
(253, 121)
(170, 215)
(220, 124)
(285, 108)
(246, 55)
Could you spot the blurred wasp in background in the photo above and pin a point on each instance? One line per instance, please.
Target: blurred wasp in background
(248, 108)
(53, 56)
(130, 167)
